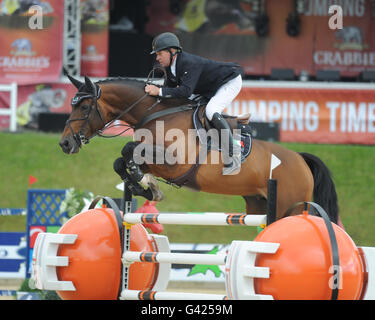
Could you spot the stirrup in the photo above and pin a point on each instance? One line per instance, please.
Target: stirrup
(234, 167)
(220, 123)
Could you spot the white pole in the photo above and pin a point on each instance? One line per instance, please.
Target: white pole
(13, 107)
(178, 258)
(156, 295)
(212, 219)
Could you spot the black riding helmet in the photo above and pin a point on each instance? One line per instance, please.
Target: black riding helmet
(165, 41)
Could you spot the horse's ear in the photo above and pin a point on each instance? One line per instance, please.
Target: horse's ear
(78, 84)
(89, 84)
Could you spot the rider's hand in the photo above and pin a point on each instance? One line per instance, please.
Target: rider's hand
(152, 90)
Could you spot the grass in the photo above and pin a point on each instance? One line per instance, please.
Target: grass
(38, 154)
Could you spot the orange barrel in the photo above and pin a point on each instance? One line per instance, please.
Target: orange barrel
(95, 257)
(302, 268)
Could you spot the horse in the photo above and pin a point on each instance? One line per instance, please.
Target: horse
(300, 177)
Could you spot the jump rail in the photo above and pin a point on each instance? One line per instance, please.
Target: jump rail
(177, 258)
(205, 218)
(239, 284)
(159, 295)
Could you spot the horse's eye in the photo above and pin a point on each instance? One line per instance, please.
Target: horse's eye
(85, 107)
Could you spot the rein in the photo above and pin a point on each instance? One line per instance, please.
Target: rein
(111, 124)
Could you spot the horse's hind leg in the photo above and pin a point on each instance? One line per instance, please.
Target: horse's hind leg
(255, 204)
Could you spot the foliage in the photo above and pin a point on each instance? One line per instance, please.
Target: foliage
(74, 201)
(28, 286)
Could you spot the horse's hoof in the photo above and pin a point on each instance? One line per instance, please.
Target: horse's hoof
(150, 181)
(157, 195)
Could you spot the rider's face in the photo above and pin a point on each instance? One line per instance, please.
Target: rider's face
(163, 57)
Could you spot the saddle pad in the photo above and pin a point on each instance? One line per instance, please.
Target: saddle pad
(246, 138)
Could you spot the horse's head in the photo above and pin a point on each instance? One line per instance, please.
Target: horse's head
(86, 118)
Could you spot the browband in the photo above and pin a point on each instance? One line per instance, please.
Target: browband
(84, 95)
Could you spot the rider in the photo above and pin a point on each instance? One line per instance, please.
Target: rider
(189, 74)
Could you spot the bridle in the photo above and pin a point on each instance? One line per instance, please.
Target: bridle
(80, 136)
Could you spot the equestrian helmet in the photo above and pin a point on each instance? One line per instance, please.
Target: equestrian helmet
(165, 40)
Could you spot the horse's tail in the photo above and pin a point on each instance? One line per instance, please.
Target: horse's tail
(324, 188)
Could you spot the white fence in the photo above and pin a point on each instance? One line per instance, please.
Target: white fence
(12, 111)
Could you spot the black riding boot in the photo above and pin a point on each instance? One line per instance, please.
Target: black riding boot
(234, 164)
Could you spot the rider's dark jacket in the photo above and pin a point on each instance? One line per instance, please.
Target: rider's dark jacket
(198, 75)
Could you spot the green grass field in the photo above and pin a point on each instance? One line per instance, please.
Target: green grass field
(37, 154)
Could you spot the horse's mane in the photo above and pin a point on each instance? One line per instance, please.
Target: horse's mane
(140, 84)
(125, 81)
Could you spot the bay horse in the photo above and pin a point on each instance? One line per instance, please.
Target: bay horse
(300, 176)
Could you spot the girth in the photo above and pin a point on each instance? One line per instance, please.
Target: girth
(188, 179)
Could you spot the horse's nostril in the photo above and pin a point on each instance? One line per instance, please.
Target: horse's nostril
(64, 144)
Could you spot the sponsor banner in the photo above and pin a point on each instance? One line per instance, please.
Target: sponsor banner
(305, 113)
(94, 44)
(198, 273)
(314, 115)
(48, 97)
(31, 38)
(350, 49)
(34, 99)
(12, 212)
(226, 31)
(12, 255)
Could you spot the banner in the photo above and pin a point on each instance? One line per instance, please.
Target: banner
(31, 38)
(318, 46)
(226, 31)
(46, 97)
(94, 44)
(34, 99)
(12, 255)
(314, 115)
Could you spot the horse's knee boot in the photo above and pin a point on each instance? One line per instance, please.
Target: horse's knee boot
(128, 149)
(134, 170)
(127, 153)
(120, 167)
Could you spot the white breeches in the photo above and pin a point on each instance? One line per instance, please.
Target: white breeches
(224, 96)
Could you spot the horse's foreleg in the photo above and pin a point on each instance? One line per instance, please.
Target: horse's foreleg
(128, 155)
(131, 154)
(134, 186)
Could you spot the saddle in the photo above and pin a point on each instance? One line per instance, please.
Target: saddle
(241, 123)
